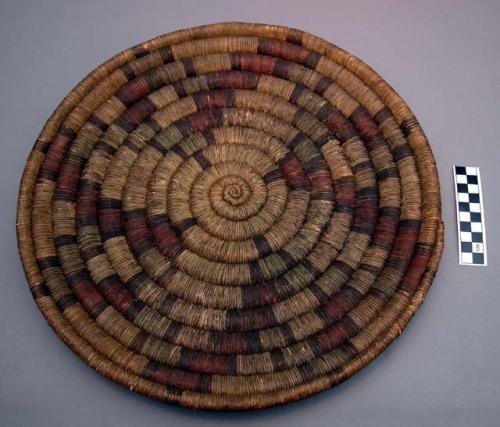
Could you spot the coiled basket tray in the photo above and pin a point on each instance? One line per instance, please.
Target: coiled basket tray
(232, 216)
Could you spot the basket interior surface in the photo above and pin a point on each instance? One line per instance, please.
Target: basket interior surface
(231, 216)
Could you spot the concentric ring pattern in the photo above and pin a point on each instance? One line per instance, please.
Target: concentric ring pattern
(232, 216)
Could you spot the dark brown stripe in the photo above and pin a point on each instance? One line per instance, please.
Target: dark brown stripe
(262, 245)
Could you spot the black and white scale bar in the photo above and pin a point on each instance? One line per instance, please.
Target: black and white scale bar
(470, 216)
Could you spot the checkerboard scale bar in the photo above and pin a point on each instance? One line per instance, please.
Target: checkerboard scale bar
(470, 216)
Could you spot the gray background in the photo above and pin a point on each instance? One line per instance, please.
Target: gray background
(441, 56)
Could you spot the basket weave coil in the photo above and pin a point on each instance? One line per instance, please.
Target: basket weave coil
(232, 216)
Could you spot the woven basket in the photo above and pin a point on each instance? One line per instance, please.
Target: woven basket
(231, 216)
